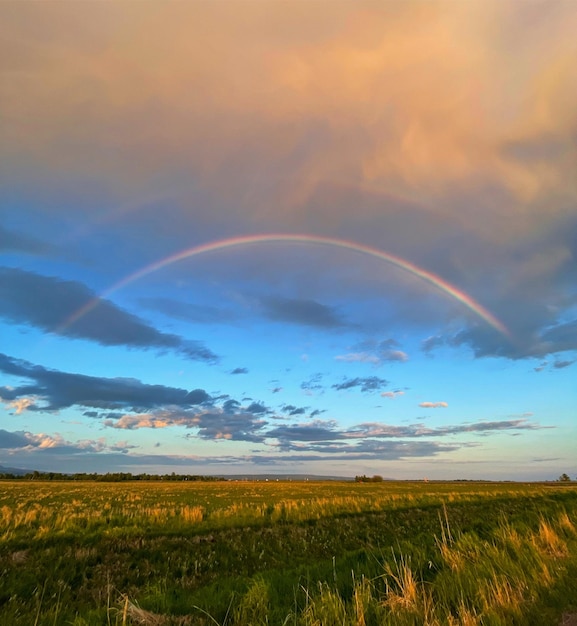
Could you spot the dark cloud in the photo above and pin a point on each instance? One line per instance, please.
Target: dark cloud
(315, 431)
(230, 405)
(196, 396)
(11, 241)
(239, 370)
(562, 364)
(60, 390)
(291, 409)
(305, 312)
(212, 424)
(368, 384)
(189, 312)
(365, 450)
(528, 342)
(50, 304)
(13, 439)
(327, 432)
(561, 337)
(242, 426)
(257, 407)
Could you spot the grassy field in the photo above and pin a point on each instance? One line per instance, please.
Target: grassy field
(295, 553)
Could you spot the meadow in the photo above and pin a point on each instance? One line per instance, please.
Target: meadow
(294, 553)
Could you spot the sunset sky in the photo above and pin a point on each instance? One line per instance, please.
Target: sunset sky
(325, 237)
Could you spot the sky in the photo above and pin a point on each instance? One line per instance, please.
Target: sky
(282, 237)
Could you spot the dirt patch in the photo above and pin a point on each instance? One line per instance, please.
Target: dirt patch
(21, 556)
(568, 619)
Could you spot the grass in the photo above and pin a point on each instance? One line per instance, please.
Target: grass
(286, 553)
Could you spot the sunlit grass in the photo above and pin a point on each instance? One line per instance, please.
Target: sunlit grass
(300, 553)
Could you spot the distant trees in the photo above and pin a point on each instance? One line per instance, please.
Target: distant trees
(109, 477)
(366, 479)
(564, 478)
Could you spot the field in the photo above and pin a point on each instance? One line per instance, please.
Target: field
(295, 553)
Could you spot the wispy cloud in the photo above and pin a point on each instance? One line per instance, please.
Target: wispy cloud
(326, 435)
(366, 384)
(392, 394)
(358, 357)
(434, 405)
(313, 384)
(375, 352)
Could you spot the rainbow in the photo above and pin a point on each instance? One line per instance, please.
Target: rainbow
(248, 240)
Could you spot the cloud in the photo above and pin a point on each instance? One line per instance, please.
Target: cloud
(215, 424)
(314, 383)
(358, 357)
(121, 459)
(241, 426)
(561, 337)
(239, 370)
(328, 431)
(434, 405)
(367, 384)
(257, 407)
(56, 444)
(13, 439)
(189, 312)
(431, 343)
(316, 430)
(375, 352)
(60, 390)
(47, 303)
(230, 405)
(291, 409)
(303, 312)
(369, 451)
(392, 394)
(395, 355)
(562, 364)
(355, 143)
(325, 437)
(11, 241)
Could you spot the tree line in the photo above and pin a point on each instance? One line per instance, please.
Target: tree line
(109, 477)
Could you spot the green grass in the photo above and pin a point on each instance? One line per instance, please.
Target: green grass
(237, 553)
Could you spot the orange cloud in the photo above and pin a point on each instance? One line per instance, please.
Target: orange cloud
(434, 405)
(414, 100)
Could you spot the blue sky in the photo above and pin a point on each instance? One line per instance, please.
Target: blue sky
(269, 237)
